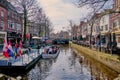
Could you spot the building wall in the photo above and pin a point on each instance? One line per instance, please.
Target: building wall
(3, 18)
(88, 28)
(84, 29)
(10, 21)
(75, 30)
(115, 21)
(104, 23)
(105, 29)
(32, 28)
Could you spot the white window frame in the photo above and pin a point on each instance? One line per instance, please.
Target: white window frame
(2, 13)
(18, 26)
(11, 24)
(2, 24)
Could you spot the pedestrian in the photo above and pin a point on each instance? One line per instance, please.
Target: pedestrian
(38, 47)
(109, 47)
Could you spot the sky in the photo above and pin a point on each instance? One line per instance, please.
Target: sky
(61, 11)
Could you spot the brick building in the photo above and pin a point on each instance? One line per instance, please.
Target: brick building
(115, 21)
(3, 20)
(10, 21)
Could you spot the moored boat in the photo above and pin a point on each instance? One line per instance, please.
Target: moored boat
(51, 55)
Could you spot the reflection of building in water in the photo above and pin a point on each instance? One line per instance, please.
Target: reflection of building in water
(41, 71)
(98, 70)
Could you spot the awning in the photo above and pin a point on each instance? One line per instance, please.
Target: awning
(84, 36)
(36, 37)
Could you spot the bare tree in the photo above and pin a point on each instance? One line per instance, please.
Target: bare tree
(96, 5)
(72, 27)
(50, 27)
(28, 8)
(39, 19)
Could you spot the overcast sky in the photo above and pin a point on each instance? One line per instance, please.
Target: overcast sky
(61, 11)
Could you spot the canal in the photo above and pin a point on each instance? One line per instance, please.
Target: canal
(70, 65)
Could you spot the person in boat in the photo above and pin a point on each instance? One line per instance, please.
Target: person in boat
(38, 47)
(29, 50)
(54, 49)
(50, 51)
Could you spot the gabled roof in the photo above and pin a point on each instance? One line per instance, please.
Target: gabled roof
(7, 5)
(11, 7)
(3, 3)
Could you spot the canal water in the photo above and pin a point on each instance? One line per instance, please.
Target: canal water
(70, 65)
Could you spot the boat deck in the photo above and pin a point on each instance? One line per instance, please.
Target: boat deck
(21, 61)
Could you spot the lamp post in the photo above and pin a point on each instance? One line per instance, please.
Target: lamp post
(99, 38)
(46, 25)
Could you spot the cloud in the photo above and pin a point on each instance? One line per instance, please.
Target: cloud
(60, 11)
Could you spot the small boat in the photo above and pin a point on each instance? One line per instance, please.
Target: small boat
(50, 56)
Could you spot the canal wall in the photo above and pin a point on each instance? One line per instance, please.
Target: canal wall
(111, 61)
(5, 77)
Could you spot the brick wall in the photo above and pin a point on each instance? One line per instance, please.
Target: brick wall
(4, 18)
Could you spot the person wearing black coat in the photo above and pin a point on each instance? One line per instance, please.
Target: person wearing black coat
(38, 47)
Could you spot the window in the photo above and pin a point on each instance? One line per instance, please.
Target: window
(103, 20)
(103, 40)
(98, 29)
(2, 14)
(18, 26)
(1, 41)
(10, 24)
(8, 13)
(106, 27)
(118, 39)
(101, 28)
(2, 25)
(115, 23)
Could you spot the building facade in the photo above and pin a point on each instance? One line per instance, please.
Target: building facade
(115, 21)
(105, 29)
(11, 21)
(3, 20)
(75, 30)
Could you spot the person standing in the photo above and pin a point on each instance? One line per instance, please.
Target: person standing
(38, 48)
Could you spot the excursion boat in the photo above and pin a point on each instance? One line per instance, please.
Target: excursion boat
(21, 65)
(52, 55)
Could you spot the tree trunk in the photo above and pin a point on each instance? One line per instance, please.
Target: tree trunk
(25, 23)
(91, 35)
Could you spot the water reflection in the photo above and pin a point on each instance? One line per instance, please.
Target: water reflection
(41, 70)
(65, 67)
(70, 66)
(97, 70)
